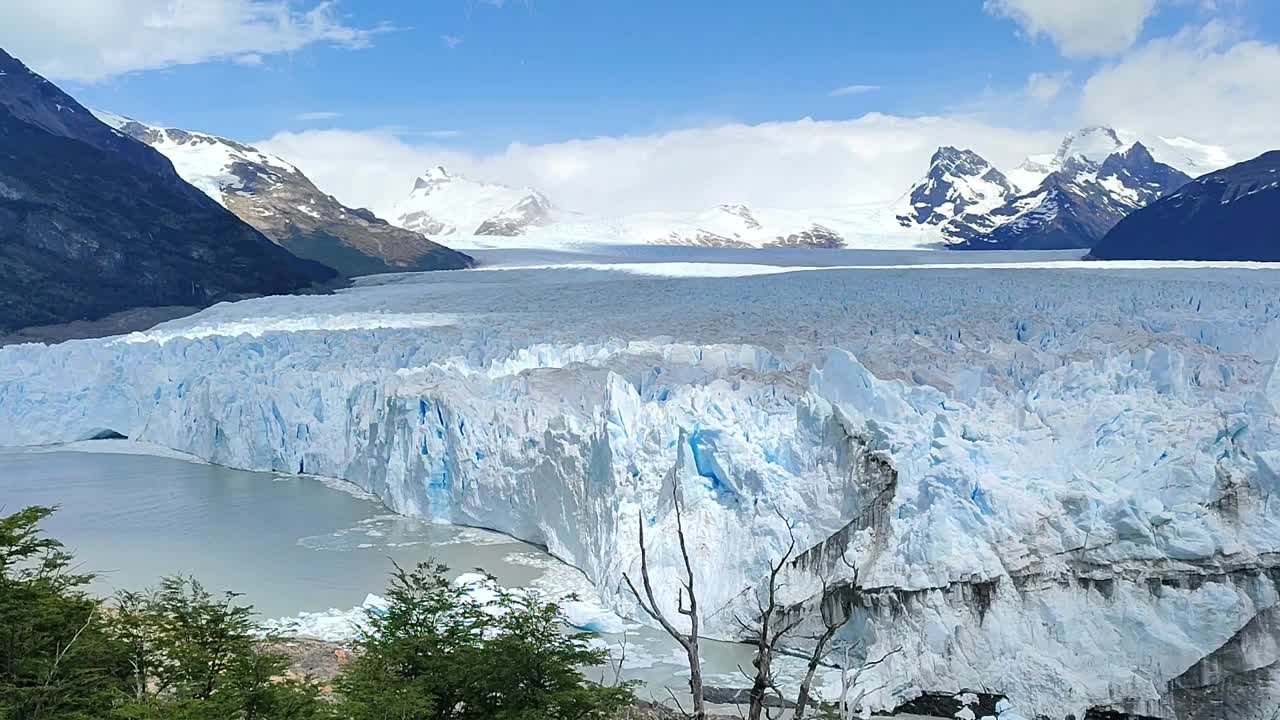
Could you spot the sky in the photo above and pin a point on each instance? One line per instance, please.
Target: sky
(625, 106)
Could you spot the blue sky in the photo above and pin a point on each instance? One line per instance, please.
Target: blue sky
(553, 70)
(666, 104)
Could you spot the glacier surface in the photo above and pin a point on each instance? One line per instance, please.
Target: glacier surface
(1056, 480)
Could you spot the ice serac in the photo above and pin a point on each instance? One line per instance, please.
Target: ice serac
(1057, 484)
(280, 201)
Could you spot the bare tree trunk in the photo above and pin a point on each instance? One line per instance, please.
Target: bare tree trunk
(690, 641)
(806, 686)
(772, 630)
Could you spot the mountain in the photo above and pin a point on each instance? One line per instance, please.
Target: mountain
(1090, 145)
(93, 222)
(1066, 199)
(1095, 144)
(283, 204)
(814, 236)
(959, 182)
(728, 226)
(445, 204)
(1226, 215)
(1076, 205)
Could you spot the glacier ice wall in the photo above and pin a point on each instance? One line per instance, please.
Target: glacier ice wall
(1056, 483)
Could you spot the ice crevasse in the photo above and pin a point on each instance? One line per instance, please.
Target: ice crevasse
(1063, 497)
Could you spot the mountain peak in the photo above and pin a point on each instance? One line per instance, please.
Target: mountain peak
(946, 153)
(437, 173)
(432, 178)
(1225, 215)
(958, 182)
(1092, 144)
(442, 203)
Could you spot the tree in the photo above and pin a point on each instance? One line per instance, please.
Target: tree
(55, 659)
(437, 653)
(771, 627)
(192, 655)
(649, 603)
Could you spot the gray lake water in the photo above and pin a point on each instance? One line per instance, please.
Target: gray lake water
(289, 544)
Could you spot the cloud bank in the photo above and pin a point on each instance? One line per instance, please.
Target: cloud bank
(1080, 28)
(796, 164)
(92, 40)
(1204, 82)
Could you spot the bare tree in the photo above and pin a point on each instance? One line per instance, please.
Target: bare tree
(771, 626)
(849, 677)
(648, 603)
(833, 618)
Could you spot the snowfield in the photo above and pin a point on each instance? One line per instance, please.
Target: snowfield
(1056, 479)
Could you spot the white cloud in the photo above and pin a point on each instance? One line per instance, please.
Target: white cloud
(1080, 28)
(800, 164)
(853, 90)
(1046, 87)
(1204, 83)
(451, 41)
(320, 115)
(91, 40)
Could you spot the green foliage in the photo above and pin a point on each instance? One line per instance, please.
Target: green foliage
(172, 653)
(55, 659)
(437, 653)
(192, 655)
(179, 652)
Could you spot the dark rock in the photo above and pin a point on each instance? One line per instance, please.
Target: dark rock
(531, 211)
(1226, 215)
(283, 204)
(817, 236)
(93, 222)
(1078, 204)
(955, 180)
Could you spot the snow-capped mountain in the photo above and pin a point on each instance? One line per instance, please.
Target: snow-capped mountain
(959, 182)
(92, 222)
(445, 204)
(1095, 144)
(731, 226)
(1076, 205)
(1087, 145)
(281, 202)
(1066, 199)
(735, 226)
(1226, 215)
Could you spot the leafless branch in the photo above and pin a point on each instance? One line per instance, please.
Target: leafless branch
(649, 604)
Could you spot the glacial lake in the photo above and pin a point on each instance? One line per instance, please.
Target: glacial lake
(290, 544)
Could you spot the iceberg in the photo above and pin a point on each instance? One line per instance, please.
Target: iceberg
(1056, 482)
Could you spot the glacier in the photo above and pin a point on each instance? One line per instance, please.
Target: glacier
(1055, 479)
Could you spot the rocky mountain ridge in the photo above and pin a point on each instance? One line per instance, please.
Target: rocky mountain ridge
(1066, 200)
(1225, 215)
(280, 201)
(93, 222)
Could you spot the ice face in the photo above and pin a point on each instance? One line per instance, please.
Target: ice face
(1055, 482)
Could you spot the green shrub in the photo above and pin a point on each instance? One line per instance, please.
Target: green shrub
(55, 656)
(438, 653)
(178, 652)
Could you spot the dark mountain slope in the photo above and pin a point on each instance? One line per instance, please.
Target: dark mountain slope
(1227, 215)
(93, 222)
